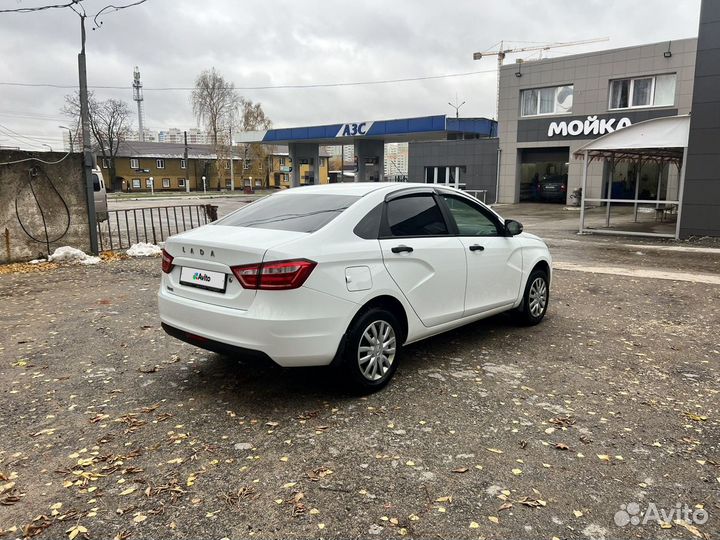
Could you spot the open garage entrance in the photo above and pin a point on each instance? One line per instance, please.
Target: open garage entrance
(544, 174)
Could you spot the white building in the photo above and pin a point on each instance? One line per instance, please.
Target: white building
(396, 160)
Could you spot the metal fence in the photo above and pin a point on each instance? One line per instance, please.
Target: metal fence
(123, 228)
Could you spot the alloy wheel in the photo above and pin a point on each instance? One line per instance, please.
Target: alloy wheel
(537, 296)
(376, 350)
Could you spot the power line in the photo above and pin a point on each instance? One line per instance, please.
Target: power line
(268, 87)
(112, 9)
(41, 8)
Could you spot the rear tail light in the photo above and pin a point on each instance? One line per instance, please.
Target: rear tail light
(167, 262)
(276, 275)
(563, 187)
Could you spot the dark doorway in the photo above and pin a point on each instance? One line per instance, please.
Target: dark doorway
(543, 174)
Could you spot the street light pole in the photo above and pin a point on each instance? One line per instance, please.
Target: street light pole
(232, 169)
(152, 185)
(70, 135)
(87, 152)
(204, 186)
(50, 147)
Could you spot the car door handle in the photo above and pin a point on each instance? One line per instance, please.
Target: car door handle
(400, 249)
(477, 247)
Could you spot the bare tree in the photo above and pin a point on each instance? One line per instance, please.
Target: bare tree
(255, 156)
(110, 126)
(216, 104)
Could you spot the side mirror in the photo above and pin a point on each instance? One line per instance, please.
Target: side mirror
(513, 227)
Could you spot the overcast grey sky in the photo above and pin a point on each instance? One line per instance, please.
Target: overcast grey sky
(275, 42)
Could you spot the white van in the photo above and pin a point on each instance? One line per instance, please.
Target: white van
(101, 206)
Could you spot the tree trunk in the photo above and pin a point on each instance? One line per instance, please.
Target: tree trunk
(113, 183)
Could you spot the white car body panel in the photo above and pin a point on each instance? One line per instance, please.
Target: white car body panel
(438, 287)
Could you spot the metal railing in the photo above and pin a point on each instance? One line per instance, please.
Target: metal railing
(479, 194)
(153, 225)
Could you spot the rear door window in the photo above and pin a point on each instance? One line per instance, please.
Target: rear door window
(301, 212)
(470, 219)
(415, 215)
(96, 182)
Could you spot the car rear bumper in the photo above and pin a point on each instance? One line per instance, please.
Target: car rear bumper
(302, 327)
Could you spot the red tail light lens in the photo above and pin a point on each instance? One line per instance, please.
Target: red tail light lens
(167, 262)
(248, 276)
(276, 275)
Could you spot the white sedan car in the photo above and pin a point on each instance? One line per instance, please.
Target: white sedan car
(347, 274)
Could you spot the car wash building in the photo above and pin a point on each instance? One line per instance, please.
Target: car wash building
(551, 108)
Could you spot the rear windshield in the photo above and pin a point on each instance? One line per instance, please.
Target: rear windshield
(96, 182)
(301, 212)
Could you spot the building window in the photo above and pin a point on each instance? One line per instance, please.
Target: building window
(541, 101)
(655, 91)
(149, 183)
(282, 161)
(136, 183)
(450, 175)
(166, 182)
(181, 182)
(246, 164)
(183, 164)
(134, 164)
(227, 164)
(105, 163)
(160, 163)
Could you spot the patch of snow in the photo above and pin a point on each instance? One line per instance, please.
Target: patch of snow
(37, 261)
(71, 255)
(143, 249)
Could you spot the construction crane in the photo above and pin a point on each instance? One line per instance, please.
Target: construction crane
(502, 52)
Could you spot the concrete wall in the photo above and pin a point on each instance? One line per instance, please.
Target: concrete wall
(590, 74)
(479, 156)
(701, 202)
(15, 179)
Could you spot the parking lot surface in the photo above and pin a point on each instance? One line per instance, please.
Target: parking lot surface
(110, 427)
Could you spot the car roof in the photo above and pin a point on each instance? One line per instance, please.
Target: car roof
(357, 189)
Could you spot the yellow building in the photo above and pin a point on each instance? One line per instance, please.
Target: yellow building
(143, 166)
(280, 165)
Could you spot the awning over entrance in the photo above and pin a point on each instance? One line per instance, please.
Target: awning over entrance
(660, 140)
(651, 139)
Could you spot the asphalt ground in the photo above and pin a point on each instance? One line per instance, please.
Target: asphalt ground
(109, 427)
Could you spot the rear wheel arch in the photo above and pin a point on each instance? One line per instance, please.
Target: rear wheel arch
(391, 304)
(386, 302)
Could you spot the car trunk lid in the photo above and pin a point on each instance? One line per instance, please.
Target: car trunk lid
(210, 252)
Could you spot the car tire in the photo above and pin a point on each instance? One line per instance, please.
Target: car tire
(535, 299)
(370, 352)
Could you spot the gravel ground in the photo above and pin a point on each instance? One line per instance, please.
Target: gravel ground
(109, 427)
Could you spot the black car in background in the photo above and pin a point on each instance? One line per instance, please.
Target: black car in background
(553, 188)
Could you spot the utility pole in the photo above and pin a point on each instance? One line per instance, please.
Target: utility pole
(185, 156)
(87, 152)
(232, 168)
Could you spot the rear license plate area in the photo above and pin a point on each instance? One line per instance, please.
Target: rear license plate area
(203, 279)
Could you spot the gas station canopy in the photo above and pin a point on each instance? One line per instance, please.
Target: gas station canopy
(421, 128)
